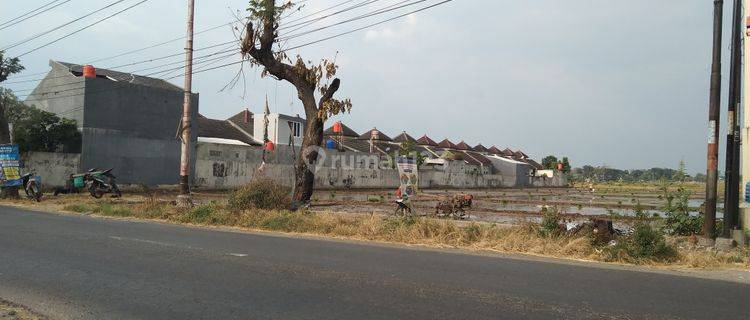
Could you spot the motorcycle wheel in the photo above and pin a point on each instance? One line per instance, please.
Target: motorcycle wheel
(95, 191)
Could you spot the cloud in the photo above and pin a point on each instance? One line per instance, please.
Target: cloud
(403, 31)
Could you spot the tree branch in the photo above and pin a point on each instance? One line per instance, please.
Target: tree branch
(329, 92)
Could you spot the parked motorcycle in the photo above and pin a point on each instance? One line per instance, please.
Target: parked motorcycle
(31, 186)
(100, 182)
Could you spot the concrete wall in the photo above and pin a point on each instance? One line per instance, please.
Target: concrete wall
(222, 166)
(61, 93)
(132, 128)
(54, 168)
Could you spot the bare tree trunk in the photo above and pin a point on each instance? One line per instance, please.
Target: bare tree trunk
(304, 177)
(9, 192)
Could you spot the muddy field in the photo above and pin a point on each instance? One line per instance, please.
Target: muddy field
(511, 205)
(517, 205)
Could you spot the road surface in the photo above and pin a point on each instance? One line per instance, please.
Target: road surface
(93, 268)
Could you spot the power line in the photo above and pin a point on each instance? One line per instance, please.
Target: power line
(158, 44)
(199, 58)
(11, 23)
(396, 6)
(84, 28)
(320, 11)
(127, 64)
(241, 61)
(337, 35)
(30, 12)
(175, 39)
(61, 26)
(303, 23)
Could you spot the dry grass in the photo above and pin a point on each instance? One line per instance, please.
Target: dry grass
(12, 311)
(524, 238)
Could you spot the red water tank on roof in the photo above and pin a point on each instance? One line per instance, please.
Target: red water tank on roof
(559, 166)
(89, 71)
(337, 128)
(269, 146)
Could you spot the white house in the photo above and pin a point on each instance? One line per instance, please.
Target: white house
(282, 129)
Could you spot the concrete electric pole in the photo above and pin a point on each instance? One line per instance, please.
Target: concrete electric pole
(713, 126)
(184, 198)
(744, 218)
(731, 176)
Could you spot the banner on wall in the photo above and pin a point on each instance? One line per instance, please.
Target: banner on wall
(408, 175)
(10, 162)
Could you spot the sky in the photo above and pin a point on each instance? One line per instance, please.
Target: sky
(617, 83)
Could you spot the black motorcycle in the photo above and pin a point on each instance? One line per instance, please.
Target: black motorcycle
(31, 187)
(100, 182)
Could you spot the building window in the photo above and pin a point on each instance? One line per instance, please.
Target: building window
(296, 129)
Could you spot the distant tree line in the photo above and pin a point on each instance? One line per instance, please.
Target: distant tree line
(550, 162)
(605, 174)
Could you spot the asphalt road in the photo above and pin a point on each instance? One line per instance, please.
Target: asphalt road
(93, 268)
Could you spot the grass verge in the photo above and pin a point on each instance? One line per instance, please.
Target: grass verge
(644, 249)
(12, 311)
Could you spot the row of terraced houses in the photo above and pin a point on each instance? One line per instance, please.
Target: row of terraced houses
(129, 122)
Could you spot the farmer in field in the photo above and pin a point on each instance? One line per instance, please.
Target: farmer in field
(402, 200)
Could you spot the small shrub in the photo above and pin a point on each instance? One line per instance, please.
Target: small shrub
(551, 222)
(260, 194)
(646, 243)
(678, 220)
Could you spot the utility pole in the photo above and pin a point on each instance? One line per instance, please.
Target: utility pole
(713, 126)
(731, 180)
(184, 198)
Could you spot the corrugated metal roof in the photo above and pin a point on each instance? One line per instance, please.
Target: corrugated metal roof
(211, 128)
(77, 70)
(478, 157)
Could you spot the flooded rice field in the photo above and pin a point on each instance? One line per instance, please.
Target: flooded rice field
(518, 205)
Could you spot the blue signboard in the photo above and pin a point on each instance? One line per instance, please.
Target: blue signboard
(10, 162)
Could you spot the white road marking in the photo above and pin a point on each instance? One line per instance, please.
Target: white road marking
(238, 254)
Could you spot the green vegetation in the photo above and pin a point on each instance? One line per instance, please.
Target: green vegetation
(550, 162)
(645, 244)
(606, 174)
(551, 224)
(409, 148)
(678, 220)
(260, 194)
(37, 130)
